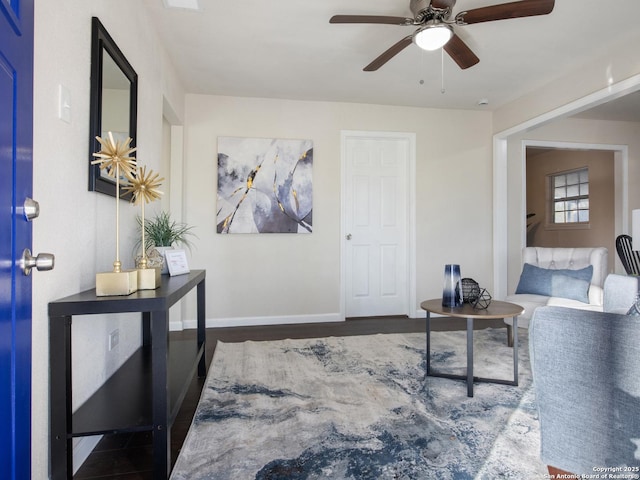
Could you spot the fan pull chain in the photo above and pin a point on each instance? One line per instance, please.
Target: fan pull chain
(442, 90)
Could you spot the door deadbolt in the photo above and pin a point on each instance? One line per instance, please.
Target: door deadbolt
(30, 209)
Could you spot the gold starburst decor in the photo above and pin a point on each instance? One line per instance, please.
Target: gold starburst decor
(144, 189)
(114, 157)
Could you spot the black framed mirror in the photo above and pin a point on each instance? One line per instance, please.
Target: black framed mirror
(113, 104)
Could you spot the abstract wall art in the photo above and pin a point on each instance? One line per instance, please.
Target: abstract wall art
(264, 185)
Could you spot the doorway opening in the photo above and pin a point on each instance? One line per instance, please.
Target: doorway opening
(172, 169)
(570, 197)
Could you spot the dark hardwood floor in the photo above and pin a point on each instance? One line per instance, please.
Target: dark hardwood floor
(128, 456)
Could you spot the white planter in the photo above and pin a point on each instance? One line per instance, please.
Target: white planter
(156, 260)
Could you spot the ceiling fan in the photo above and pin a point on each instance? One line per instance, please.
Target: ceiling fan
(435, 26)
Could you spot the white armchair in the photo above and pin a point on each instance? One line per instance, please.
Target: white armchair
(562, 259)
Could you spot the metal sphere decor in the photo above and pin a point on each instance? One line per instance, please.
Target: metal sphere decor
(483, 300)
(470, 290)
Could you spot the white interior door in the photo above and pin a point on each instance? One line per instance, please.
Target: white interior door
(376, 212)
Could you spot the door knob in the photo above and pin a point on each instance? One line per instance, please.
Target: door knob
(42, 262)
(348, 236)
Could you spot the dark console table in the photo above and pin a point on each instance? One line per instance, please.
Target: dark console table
(146, 392)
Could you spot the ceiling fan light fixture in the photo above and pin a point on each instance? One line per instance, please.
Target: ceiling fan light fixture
(184, 4)
(433, 36)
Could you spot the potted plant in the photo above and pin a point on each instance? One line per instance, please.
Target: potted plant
(162, 233)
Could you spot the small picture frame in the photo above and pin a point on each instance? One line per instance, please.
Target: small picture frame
(177, 262)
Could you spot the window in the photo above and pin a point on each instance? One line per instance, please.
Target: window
(570, 197)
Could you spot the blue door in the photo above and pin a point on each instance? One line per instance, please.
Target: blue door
(16, 132)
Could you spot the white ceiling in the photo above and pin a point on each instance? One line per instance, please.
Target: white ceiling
(288, 49)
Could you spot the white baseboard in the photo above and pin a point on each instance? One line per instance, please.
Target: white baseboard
(257, 321)
(176, 326)
(82, 448)
(274, 320)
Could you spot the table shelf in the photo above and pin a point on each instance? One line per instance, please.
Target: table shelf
(131, 386)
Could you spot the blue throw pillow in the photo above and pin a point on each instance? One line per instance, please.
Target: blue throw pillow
(564, 283)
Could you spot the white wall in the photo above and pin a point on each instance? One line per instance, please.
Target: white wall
(75, 224)
(280, 275)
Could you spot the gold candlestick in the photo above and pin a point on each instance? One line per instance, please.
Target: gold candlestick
(114, 159)
(144, 189)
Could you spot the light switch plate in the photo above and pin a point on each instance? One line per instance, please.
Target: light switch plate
(64, 104)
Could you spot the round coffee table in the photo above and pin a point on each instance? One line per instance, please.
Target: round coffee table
(496, 309)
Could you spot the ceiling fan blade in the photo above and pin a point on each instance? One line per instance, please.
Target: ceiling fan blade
(460, 52)
(380, 19)
(389, 54)
(523, 8)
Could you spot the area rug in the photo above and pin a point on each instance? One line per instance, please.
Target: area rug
(360, 408)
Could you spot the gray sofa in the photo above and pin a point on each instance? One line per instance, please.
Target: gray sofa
(586, 377)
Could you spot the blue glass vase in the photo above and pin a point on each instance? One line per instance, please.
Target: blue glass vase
(452, 290)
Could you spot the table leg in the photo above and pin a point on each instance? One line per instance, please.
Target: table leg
(160, 387)
(146, 329)
(468, 376)
(469, 357)
(60, 398)
(515, 350)
(428, 351)
(202, 334)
